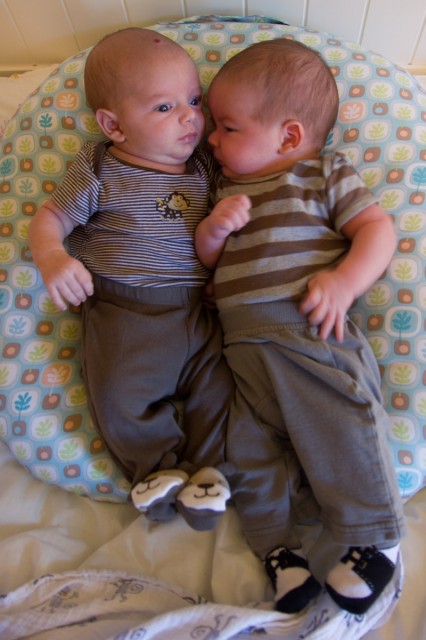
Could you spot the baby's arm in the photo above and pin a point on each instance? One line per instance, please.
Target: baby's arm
(66, 279)
(331, 293)
(230, 214)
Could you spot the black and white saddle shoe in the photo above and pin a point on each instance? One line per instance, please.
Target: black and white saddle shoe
(292, 580)
(372, 566)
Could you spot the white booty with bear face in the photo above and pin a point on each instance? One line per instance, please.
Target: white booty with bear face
(204, 498)
(156, 495)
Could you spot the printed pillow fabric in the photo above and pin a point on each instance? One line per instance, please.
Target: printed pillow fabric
(44, 417)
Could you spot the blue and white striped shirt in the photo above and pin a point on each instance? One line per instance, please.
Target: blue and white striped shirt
(136, 225)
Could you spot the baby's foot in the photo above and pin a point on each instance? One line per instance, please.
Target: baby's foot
(204, 498)
(156, 495)
(361, 576)
(294, 584)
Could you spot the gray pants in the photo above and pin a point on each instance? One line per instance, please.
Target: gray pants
(307, 432)
(144, 348)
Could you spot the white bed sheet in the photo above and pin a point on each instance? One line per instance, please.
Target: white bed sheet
(45, 530)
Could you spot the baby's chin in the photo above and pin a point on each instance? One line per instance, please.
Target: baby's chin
(230, 174)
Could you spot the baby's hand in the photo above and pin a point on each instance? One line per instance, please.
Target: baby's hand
(326, 303)
(230, 214)
(66, 279)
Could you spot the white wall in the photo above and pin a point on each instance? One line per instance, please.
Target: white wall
(48, 31)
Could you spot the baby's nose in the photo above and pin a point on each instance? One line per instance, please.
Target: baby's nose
(187, 114)
(212, 139)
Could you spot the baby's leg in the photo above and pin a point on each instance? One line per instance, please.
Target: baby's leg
(268, 488)
(207, 387)
(134, 352)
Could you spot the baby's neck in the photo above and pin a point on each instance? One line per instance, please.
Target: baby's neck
(145, 163)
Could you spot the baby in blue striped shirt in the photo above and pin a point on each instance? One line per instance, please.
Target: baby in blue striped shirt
(128, 208)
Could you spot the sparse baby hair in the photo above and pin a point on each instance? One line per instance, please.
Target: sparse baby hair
(289, 80)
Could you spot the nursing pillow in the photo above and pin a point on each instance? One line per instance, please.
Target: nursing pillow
(44, 417)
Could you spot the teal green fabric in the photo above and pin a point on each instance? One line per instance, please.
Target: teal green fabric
(382, 127)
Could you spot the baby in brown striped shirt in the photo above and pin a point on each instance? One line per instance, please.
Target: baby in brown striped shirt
(295, 240)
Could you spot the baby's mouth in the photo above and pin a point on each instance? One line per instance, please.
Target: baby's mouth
(189, 137)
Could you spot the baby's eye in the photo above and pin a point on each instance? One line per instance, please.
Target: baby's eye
(163, 107)
(195, 101)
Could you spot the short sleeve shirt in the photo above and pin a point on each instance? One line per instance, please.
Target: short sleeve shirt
(136, 225)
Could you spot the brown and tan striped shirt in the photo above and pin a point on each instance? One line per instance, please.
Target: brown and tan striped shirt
(294, 231)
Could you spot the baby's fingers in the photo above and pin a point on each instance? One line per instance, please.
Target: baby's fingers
(74, 288)
(326, 326)
(240, 199)
(311, 300)
(64, 293)
(57, 298)
(238, 207)
(244, 209)
(339, 327)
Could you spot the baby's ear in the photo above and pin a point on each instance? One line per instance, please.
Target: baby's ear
(292, 134)
(108, 123)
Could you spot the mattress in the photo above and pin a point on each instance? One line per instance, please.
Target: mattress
(71, 565)
(91, 565)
